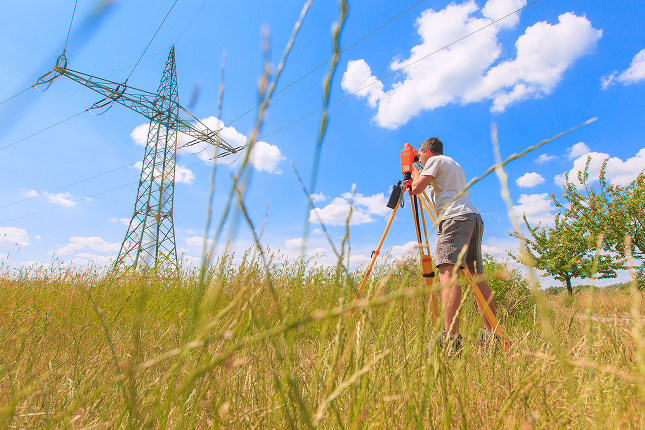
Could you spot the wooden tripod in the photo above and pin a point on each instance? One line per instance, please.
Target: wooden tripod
(426, 259)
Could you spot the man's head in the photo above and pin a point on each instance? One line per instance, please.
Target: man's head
(430, 148)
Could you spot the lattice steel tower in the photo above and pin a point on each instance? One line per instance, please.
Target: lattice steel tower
(150, 239)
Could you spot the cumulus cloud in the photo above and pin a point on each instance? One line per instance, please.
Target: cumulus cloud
(94, 243)
(529, 179)
(618, 172)
(295, 243)
(472, 70)
(317, 231)
(184, 175)
(407, 249)
(578, 150)
(538, 208)
(60, 199)
(634, 74)
(336, 212)
(543, 158)
(125, 221)
(84, 258)
(263, 157)
(198, 241)
(13, 235)
(318, 197)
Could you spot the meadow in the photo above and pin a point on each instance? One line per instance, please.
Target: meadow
(282, 346)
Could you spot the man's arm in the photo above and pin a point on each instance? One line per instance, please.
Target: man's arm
(419, 181)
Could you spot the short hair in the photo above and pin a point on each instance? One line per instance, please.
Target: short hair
(433, 144)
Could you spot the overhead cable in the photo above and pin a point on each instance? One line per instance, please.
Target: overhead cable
(44, 129)
(318, 67)
(153, 38)
(399, 69)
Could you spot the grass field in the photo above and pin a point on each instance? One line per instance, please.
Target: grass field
(85, 349)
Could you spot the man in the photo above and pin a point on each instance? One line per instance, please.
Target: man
(460, 226)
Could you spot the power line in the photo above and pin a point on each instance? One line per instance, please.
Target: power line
(279, 129)
(70, 25)
(318, 67)
(70, 203)
(67, 186)
(44, 129)
(398, 70)
(16, 95)
(153, 38)
(191, 21)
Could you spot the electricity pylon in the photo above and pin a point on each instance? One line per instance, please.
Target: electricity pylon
(151, 233)
(150, 240)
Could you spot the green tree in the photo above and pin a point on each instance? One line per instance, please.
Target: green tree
(567, 251)
(613, 210)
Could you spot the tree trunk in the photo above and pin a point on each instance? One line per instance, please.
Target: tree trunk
(569, 289)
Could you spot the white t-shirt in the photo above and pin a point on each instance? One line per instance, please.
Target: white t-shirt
(448, 180)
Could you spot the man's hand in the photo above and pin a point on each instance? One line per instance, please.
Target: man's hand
(415, 173)
(419, 182)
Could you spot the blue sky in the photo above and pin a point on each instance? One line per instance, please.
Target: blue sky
(536, 73)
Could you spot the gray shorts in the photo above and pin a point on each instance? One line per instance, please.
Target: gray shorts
(455, 233)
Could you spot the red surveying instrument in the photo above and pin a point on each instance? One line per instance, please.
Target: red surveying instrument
(409, 156)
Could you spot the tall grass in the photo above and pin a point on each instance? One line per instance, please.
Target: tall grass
(285, 360)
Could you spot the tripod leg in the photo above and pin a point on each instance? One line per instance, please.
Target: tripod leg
(424, 255)
(485, 308)
(378, 249)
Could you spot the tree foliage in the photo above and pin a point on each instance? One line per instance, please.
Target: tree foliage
(567, 251)
(613, 210)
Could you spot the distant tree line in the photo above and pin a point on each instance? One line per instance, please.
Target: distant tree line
(594, 231)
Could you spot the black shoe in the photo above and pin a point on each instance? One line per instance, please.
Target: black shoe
(451, 343)
(488, 339)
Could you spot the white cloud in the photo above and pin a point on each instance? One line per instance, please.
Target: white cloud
(37, 237)
(578, 150)
(29, 193)
(13, 235)
(471, 71)
(618, 172)
(538, 208)
(198, 241)
(3, 256)
(496, 9)
(407, 249)
(321, 252)
(336, 212)
(375, 204)
(140, 134)
(543, 158)
(318, 197)
(94, 243)
(190, 261)
(295, 243)
(190, 231)
(184, 175)
(61, 199)
(317, 231)
(84, 258)
(635, 73)
(529, 179)
(263, 157)
(125, 221)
